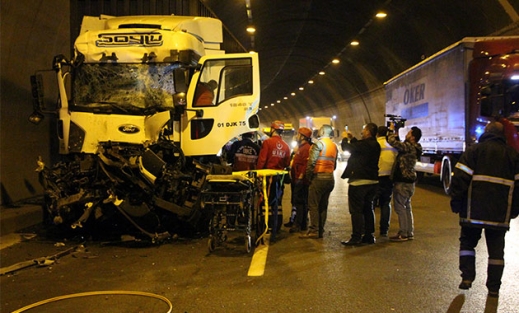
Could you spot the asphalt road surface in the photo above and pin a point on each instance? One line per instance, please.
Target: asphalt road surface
(290, 275)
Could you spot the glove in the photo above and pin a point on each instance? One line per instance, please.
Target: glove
(456, 205)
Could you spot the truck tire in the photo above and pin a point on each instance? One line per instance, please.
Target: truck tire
(446, 173)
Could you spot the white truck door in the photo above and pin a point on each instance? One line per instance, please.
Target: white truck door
(226, 90)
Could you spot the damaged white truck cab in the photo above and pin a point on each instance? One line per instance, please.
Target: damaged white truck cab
(144, 107)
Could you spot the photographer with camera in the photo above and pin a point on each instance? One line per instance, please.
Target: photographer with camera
(404, 175)
(362, 174)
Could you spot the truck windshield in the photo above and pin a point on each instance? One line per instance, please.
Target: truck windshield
(123, 88)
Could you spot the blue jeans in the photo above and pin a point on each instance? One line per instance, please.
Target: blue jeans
(402, 193)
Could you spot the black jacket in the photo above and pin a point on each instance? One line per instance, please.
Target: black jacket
(485, 186)
(363, 161)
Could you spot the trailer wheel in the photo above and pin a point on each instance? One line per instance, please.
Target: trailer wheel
(446, 174)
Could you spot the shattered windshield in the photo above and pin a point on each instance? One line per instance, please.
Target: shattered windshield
(124, 88)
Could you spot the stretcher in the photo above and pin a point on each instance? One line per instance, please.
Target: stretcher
(234, 200)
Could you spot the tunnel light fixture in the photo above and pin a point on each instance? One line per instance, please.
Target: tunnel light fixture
(301, 88)
(322, 73)
(336, 61)
(285, 98)
(310, 81)
(354, 43)
(278, 101)
(293, 94)
(251, 29)
(381, 15)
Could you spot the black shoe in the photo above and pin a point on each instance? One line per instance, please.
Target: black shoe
(289, 224)
(368, 240)
(352, 242)
(465, 284)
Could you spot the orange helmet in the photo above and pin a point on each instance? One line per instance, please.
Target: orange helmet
(277, 125)
(305, 131)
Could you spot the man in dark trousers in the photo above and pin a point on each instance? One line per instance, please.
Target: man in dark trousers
(274, 155)
(362, 174)
(322, 161)
(299, 181)
(485, 193)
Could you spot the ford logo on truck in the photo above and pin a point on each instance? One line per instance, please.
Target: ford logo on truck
(129, 129)
(133, 39)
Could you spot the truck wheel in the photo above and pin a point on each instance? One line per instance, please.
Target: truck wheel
(446, 174)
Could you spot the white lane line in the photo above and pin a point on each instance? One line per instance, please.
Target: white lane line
(259, 259)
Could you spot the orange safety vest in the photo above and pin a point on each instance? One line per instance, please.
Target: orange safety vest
(327, 156)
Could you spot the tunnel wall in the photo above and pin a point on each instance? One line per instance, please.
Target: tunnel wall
(32, 33)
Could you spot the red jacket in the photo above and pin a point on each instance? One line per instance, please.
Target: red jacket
(274, 154)
(299, 162)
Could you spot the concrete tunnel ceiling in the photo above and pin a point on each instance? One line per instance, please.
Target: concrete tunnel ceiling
(296, 39)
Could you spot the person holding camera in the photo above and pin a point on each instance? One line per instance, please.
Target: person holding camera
(362, 174)
(404, 178)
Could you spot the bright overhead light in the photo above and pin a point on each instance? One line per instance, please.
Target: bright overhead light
(266, 107)
(310, 81)
(278, 101)
(293, 94)
(354, 43)
(251, 29)
(336, 61)
(286, 98)
(272, 104)
(301, 88)
(381, 14)
(321, 73)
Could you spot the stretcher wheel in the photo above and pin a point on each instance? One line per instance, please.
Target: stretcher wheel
(248, 243)
(211, 244)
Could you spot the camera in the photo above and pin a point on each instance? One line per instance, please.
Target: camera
(397, 120)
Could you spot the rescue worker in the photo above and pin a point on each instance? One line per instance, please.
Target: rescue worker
(322, 162)
(300, 183)
(243, 154)
(274, 154)
(485, 193)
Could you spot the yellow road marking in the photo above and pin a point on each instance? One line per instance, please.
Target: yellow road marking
(259, 259)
